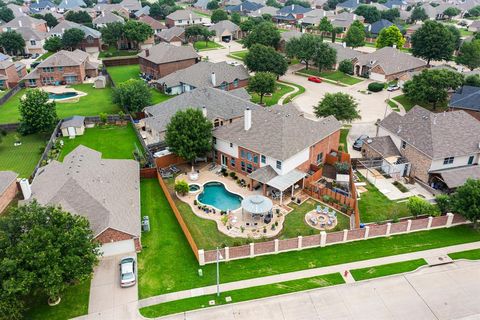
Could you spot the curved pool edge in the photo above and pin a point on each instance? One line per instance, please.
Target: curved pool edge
(226, 188)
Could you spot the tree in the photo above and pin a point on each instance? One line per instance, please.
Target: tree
(218, 15)
(6, 14)
(262, 83)
(325, 56)
(466, 201)
(137, 31)
(420, 207)
(370, 13)
(37, 114)
(444, 203)
(12, 42)
(302, 48)
(48, 17)
(457, 37)
(72, 37)
(355, 36)
(189, 134)
(346, 66)
(212, 5)
(53, 44)
(263, 58)
(273, 3)
(182, 187)
(432, 86)
(433, 41)
(302, 3)
(47, 250)
(391, 14)
(469, 54)
(325, 26)
(236, 18)
(472, 80)
(80, 17)
(133, 94)
(418, 14)
(247, 25)
(335, 31)
(340, 105)
(264, 33)
(474, 12)
(389, 37)
(451, 12)
(112, 33)
(207, 34)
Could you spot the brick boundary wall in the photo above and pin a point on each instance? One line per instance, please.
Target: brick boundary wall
(323, 239)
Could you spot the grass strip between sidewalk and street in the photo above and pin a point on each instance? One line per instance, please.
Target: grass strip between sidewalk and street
(240, 295)
(387, 269)
(469, 255)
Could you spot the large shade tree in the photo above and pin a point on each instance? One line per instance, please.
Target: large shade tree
(218, 15)
(418, 14)
(267, 59)
(133, 94)
(189, 134)
(265, 33)
(355, 36)
(136, 31)
(37, 113)
(71, 38)
(370, 13)
(12, 42)
(325, 57)
(466, 201)
(262, 83)
(390, 37)
(325, 26)
(469, 54)
(433, 41)
(303, 48)
(112, 33)
(340, 105)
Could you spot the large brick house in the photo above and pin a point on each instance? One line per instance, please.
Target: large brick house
(205, 74)
(11, 73)
(183, 18)
(442, 148)
(64, 67)
(25, 22)
(163, 59)
(92, 41)
(8, 188)
(106, 192)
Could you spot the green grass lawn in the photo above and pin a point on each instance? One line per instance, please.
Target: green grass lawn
(469, 254)
(114, 52)
(74, 303)
(295, 224)
(203, 14)
(387, 269)
(202, 46)
(333, 76)
(393, 106)
(280, 91)
(24, 158)
(343, 138)
(158, 274)
(44, 56)
(114, 142)
(465, 33)
(300, 91)
(239, 55)
(95, 102)
(408, 104)
(240, 295)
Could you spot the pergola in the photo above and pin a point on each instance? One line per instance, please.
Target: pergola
(283, 182)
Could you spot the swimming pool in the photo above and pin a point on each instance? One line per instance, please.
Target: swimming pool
(215, 194)
(193, 188)
(63, 95)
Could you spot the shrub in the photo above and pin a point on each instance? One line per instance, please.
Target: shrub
(443, 203)
(376, 87)
(327, 199)
(346, 66)
(342, 167)
(182, 187)
(419, 206)
(232, 174)
(225, 173)
(103, 117)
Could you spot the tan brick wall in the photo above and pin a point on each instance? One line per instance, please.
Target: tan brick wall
(161, 70)
(112, 235)
(368, 152)
(79, 71)
(8, 195)
(420, 162)
(325, 146)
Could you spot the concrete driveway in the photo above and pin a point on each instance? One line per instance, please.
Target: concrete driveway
(219, 55)
(108, 300)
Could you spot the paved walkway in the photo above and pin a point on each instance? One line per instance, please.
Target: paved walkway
(288, 94)
(305, 274)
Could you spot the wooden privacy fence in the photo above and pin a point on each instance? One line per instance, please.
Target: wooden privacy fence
(120, 61)
(324, 239)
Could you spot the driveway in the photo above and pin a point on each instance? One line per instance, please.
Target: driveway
(219, 55)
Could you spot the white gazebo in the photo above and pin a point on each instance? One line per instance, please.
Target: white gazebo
(256, 207)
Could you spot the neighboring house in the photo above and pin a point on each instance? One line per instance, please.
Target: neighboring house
(34, 40)
(344, 20)
(182, 18)
(436, 13)
(106, 17)
(92, 42)
(386, 64)
(291, 13)
(396, 4)
(174, 36)
(131, 5)
(156, 25)
(375, 28)
(105, 191)
(63, 67)
(313, 18)
(466, 98)
(73, 126)
(11, 73)
(343, 52)
(163, 59)
(201, 4)
(226, 30)
(442, 148)
(244, 8)
(277, 155)
(474, 26)
(205, 74)
(145, 11)
(66, 5)
(17, 10)
(220, 107)
(41, 5)
(26, 22)
(114, 8)
(349, 6)
(287, 36)
(8, 188)
(263, 10)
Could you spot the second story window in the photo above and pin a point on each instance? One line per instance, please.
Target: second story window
(214, 140)
(279, 165)
(48, 69)
(60, 69)
(448, 160)
(404, 144)
(263, 159)
(33, 42)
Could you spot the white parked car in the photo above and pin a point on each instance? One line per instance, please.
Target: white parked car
(128, 276)
(233, 63)
(393, 88)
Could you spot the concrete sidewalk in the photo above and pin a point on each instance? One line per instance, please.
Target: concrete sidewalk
(305, 274)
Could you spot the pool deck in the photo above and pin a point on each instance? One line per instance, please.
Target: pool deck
(63, 89)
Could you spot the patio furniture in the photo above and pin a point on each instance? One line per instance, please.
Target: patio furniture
(174, 169)
(319, 209)
(212, 166)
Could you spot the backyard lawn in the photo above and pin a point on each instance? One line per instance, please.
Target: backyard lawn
(158, 275)
(114, 52)
(408, 104)
(387, 269)
(114, 142)
(333, 76)
(204, 46)
(239, 55)
(280, 91)
(300, 91)
(95, 102)
(24, 158)
(343, 138)
(74, 303)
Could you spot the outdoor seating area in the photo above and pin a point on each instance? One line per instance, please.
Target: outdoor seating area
(169, 171)
(322, 218)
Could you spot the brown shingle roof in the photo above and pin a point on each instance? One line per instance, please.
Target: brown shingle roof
(164, 52)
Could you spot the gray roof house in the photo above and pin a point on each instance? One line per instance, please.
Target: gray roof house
(466, 98)
(349, 5)
(226, 30)
(263, 10)
(131, 5)
(205, 74)
(435, 144)
(172, 35)
(60, 28)
(106, 17)
(8, 188)
(66, 5)
(105, 191)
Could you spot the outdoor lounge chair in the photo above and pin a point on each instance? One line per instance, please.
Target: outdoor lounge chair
(174, 169)
(325, 210)
(319, 209)
(212, 166)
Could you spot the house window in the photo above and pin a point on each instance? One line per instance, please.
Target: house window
(470, 159)
(255, 159)
(32, 82)
(242, 153)
(214, 140)
(2, 83)
(262, 159)
(60, 69)
(48, 80)
(232, 162)
(215, 155)
(249, 168)
(242, 165)
(279, 165)
(249, 156)
(320, 158)
(216, 123)
(235, 83)
(231, 145)
(71, 79)
(404, 144)
(224, 86)
(33, 42)
(90, 40)
(48, 69)
(448, 160)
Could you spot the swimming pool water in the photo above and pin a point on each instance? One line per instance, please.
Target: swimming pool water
(215, 194)
(63, 95)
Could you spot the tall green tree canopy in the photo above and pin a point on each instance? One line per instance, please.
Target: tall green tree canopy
(6, 14)
(37, 113)
(469, 54)
(262, 83)
(451, 12)
(472, 80)
(302, 48)
(236, 18)
(42, 249)
(71, 38)
(265, 33)
(302, 3)
(12, 42)
(53, 44)
(433, 41)
(325, 57)
(48, 17)
(112, 33)
(218, 15)
(418, 14)
(432, 86)
(340, 105)
(80, 17)
(391, 14)
(370, 13)
(137, 31)
(213, 5)
(466, 201)
(133, 94)
(189, 134)
(355, 36)
(267, 59)
(389, 37)
(325, 26)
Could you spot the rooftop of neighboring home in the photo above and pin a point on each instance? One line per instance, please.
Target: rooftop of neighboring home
(165, 53)
(31, 34)
(201, 4)
(384, 146)
(246, 6)
(153, 23)
(293, 9)
(224, 25)
(131, 5)
(183, 15)
(169, 34)
(107, 17)
(6, 179)
(104, 191)
(395, 4)
(200, 75)
(447, 134)
(144, 11)
(344, 19)
(343, 52)
(263, 10)
(468, 4)
(475, 24)
(17, 10)
(23, 21)
(391, 60)
(39, 5)
(456, 177)
(70, 4)
(376, 27)
(4, 57)
(314, 16)
(288, 35)
(5, 64)
(218, 103)
(60, 28)
(432, 11)
(467, 97)
(349, 4)
(279, 132)
(111, 7)
(74, 121)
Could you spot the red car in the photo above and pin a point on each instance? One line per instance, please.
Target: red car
(315, 79)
